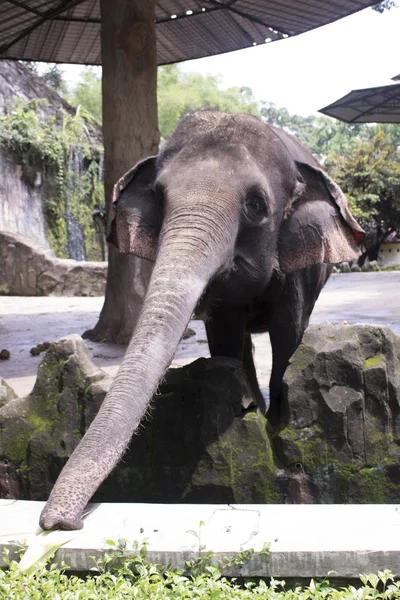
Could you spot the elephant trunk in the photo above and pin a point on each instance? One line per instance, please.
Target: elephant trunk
(187, 261)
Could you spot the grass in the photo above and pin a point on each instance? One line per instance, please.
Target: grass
(134, 577)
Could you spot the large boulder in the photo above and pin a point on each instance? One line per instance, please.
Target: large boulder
(342, 401)
(203, 440)
(40, 432)
(28, 270)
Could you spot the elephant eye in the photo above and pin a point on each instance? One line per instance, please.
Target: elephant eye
(254, 203)
(255, 208)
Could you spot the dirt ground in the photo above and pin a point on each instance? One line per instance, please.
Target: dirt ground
(28, 321)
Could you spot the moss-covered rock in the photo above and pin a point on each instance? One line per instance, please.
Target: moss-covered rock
(204, 441)
(6, 392)
(39, 432)
(342, 399)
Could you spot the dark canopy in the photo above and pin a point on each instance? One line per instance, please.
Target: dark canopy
(370, 105)
(68, 31)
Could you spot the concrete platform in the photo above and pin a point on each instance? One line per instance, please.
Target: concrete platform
(306, 540)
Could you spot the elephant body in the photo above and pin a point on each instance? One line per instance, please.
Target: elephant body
(283, 309)
(243, 226)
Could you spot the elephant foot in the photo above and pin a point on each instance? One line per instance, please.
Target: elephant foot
(276, 416)
(274, 421)
(55, 518)
(263, 402)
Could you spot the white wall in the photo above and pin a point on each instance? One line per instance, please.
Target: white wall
(389, 254)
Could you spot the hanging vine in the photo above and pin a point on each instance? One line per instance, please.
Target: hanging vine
(59, 155)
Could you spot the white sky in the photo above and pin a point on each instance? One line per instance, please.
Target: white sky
(309, 71)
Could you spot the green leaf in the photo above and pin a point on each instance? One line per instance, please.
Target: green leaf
(42, 547)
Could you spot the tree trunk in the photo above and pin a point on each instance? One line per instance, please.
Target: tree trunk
(128, 48)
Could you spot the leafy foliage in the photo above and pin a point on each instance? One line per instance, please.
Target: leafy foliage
(321, 134)
(46, 149)
(179, 93)
(370, 176)
(52, 75)
(87, 93)
(385, 5)
(363, 159)
(134, 577)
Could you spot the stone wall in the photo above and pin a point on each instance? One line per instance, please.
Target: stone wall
(28, 270)
(21, 209)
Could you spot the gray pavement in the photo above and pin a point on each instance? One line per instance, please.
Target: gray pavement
(28, 321)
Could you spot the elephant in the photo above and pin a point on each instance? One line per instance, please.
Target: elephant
(243, 226)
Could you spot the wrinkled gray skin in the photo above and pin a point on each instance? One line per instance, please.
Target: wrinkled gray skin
(242, 224)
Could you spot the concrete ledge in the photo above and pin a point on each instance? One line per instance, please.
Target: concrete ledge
(306, 540)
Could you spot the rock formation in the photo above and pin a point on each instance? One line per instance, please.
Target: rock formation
(21, 206)
(342, 397)
(27, 270)
(39, 432)
(48, 206)
(203, 441)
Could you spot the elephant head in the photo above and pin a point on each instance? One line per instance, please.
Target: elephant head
(228, 201)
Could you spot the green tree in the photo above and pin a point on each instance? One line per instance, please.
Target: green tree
(31, 65)
(54, 77)
(322, 135)
(87, 92)
(370, 177)
(384, 5)
(179, 93)
(302, 127)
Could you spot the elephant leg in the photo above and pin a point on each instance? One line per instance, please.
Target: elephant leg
(250, 370)
(225, 332)
(226, 337)
(285, 338)
(289, 320)
(288, 323)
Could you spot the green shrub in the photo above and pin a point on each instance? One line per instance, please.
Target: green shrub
(134, 577)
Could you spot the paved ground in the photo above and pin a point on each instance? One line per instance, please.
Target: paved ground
(28, 321)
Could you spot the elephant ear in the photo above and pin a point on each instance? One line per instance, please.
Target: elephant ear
(318, 226)
(134, 219)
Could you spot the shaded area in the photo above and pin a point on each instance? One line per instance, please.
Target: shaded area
(69, 31)
(369, 105)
